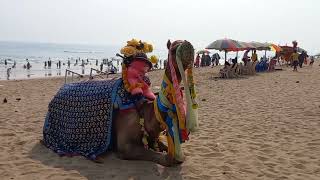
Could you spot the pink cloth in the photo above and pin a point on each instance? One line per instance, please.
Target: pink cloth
(136, 72)
(181, 111)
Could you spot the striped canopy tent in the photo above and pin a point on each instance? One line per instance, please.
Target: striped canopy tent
(226, 45)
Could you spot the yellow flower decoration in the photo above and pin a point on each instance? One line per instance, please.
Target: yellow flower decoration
(128, 51)
(145, 47)
(150, 47)
(133, 42)
(153, 59)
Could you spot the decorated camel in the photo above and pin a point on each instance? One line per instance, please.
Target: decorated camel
(287, 51)
(89, 118)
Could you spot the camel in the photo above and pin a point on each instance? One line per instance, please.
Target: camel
(126, 126)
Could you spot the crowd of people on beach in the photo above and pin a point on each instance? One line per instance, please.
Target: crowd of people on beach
(206, 60)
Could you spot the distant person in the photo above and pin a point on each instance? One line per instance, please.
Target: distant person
(156, 66)
(208, 59)
(234, 61)
(254, 56)
(69, 63)
(5, 62)
(101, 66)
(215, 59)
(311, 60)
(8, 73)
(28, 65)
(113, 70)
(59, 63)
(295, 60)
(14, 64)
(45, 64)
(97, 63)
(165, 62)
(302, 57)
(197, 63)
(203, 60)
(160, 61)
(245, 57)
(49, 63)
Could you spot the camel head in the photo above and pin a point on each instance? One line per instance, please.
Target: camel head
(182, 50)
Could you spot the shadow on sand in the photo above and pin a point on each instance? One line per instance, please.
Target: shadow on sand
(112, 168)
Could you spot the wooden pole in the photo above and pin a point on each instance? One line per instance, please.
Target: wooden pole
(225, 56)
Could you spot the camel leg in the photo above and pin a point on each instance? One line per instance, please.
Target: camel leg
(136, 152)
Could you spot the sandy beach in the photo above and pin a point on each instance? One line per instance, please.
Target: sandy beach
(256, 127)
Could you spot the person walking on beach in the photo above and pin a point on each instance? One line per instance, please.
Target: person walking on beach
(69, 63)
(295, 60)
(59, 64)
(5, 62)
(45, 64)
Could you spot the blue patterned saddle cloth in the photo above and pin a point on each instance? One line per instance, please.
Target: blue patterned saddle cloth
(79, 118)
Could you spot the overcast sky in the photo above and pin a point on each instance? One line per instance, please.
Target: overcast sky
(113, 22)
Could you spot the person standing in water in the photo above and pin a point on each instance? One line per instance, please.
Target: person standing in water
(14, 64)
(8, 73)
(101, 66)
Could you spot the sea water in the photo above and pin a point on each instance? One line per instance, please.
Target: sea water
(20, 53)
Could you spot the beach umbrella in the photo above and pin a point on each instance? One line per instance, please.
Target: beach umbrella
(246, 46)
(203, 52)
(225, 45)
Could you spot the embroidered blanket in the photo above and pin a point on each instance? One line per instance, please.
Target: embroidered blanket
(79, 118)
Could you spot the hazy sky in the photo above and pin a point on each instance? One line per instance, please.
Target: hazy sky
(199, 21)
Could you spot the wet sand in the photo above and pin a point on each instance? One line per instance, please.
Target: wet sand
(259, 127)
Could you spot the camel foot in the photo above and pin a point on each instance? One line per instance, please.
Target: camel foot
(98, 160)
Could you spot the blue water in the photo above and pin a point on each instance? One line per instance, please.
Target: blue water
(38, 53)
